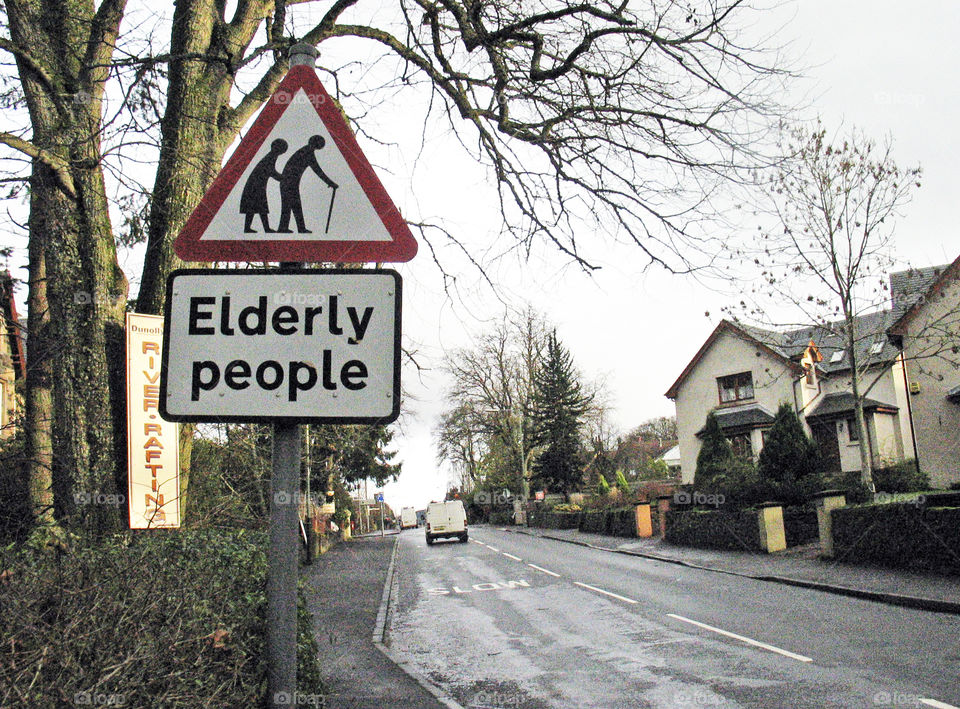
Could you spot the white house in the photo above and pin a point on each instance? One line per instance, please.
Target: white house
(743, 374)
(928, 331)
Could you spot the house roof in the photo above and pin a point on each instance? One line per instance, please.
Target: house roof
(755, 336)
(672, 455)
(928, 281)
(842, 403)
(906, 288)
(741, 418)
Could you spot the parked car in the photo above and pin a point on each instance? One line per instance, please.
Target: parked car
(408, 518)
(445, 520)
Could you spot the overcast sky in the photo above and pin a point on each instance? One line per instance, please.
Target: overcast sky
(886, 67)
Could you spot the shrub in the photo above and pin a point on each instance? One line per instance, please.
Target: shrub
(715, 457)
(622, 485)
(603, 487)
(790, 461)
(901, 535)
(900, 477)
(164, 619)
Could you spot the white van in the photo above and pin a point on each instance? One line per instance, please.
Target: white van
(446, 519)
(408, 518)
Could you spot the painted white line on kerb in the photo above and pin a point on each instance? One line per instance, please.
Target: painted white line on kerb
(755, 643)
(511, 556)
(540, 568)
(606, 593)
(937, 704)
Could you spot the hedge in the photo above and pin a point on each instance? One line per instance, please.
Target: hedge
(712, 529)
(901, 535)
(800, 525)
(168, 618)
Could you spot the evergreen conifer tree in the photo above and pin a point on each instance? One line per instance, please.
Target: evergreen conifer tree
(788, 457)
(558, 405)
(715, 459)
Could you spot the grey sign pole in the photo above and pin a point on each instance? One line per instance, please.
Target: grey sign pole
(282, 560)
(282, 566)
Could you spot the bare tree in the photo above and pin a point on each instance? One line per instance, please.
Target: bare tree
(583, 111)
(491, 393)
(836, 203)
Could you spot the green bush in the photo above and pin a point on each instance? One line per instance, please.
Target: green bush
(900, 535)
(901, 477)
(622, 485)
(603, 487)
(715, 457)
(162, 619)
(789, 461)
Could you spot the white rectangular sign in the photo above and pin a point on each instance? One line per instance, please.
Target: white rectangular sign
(153, 445)
(297, 345)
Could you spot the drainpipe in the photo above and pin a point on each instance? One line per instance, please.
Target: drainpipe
(913, 433)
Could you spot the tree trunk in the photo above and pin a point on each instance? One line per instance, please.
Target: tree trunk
(866, 463)
(38, 402)
(85, 288)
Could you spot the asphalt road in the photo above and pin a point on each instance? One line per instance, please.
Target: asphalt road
(515, 621)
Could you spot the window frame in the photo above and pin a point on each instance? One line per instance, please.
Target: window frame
(741, 391)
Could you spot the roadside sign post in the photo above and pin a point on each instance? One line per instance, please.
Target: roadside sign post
(379, 497)
(282, 565)
(288, 346)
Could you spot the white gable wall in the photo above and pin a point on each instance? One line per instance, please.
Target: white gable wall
(698, 394)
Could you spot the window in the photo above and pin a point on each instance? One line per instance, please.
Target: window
(740, 445)
(852, 431)
(837, 356)
(736, 387)
(876, 348)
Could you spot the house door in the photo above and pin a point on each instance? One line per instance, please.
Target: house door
(825, 436)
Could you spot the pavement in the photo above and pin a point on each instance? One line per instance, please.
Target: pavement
(347, 595)
(798, 566)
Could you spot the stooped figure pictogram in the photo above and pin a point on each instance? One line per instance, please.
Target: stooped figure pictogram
(290, 199)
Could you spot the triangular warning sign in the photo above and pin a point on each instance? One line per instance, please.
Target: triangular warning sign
(297, 188)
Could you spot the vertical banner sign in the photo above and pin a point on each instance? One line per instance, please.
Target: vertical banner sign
(153, 460)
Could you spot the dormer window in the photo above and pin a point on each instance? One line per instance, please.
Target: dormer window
(837, 357)
(736, 387)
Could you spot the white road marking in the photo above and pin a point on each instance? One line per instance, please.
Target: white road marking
(492, 548)
(937, 704)
(606, 593)
(741, 638)
(511, 556)
(476, 542)
(540, 568)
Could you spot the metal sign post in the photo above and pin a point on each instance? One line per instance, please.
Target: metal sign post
(282, 566)
(288, 346)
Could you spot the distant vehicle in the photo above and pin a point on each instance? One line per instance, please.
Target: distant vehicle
(408, 518)
(421, 518)
(446, 519)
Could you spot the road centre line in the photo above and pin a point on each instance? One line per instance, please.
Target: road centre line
(540, 568)
(491, 548)
(606, 593)
(476, 542)
(741, 638)
(511, 556)
(937, 704)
